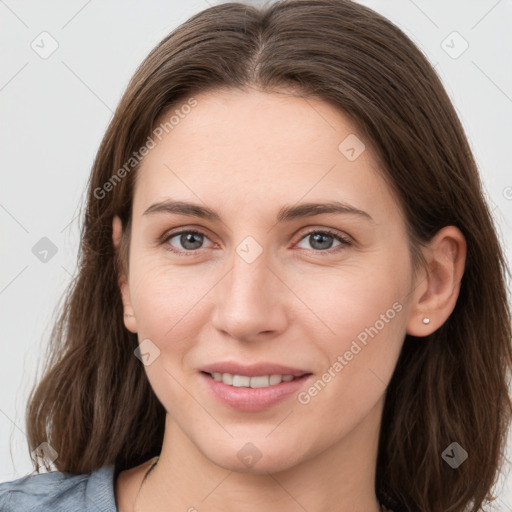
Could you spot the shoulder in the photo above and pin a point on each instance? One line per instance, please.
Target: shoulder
(60, 492)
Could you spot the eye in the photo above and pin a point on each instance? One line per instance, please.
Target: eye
(322, 240)
(189, 240)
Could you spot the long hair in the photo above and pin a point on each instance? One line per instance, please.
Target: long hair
(94, 404)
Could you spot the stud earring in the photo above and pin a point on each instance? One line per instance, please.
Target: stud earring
(426, 320)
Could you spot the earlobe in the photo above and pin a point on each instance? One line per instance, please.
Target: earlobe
(129, 319)
(436, 292)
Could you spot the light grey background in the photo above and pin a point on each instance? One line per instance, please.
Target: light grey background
(55, 111)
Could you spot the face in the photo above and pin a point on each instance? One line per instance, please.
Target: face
(264, 282)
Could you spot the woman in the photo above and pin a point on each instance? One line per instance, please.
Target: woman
(291, 292)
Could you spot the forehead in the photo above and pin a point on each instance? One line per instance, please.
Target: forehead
(249, 149)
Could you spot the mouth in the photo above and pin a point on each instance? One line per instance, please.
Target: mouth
(252, 388)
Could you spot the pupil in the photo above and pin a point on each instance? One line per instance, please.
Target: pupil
(189, 237)
(319, 236)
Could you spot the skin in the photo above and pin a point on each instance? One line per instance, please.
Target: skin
(245, 154)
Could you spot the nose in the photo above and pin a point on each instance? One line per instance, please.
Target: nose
(252, 302)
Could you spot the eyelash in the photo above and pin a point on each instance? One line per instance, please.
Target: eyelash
(344, 242)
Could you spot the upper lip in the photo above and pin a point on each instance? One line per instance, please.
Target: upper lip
(253, 370)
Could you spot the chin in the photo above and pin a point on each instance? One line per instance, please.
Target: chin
(254, 458)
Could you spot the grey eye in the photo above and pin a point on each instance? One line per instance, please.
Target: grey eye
(320, 241)
(189, 240)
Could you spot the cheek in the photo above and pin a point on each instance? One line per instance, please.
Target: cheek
(154, 296)
(343, 302)
(167, 301)
(362, 308)
(358, 360)
(163, 304)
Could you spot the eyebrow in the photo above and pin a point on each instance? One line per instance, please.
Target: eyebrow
(286, 213)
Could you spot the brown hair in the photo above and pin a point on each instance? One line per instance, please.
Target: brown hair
(94, 405)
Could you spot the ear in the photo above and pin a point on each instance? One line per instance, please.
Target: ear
(130, 321)
(437, 290)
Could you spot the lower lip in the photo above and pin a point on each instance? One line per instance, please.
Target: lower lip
(253, 399)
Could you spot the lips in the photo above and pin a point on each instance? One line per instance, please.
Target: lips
(252, 388)
(253, 399)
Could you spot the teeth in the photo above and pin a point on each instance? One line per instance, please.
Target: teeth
(227, 378)
(261, 381)
(275, 379)
(241, 381)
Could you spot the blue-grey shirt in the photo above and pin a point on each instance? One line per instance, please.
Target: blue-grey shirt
(60, 492)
